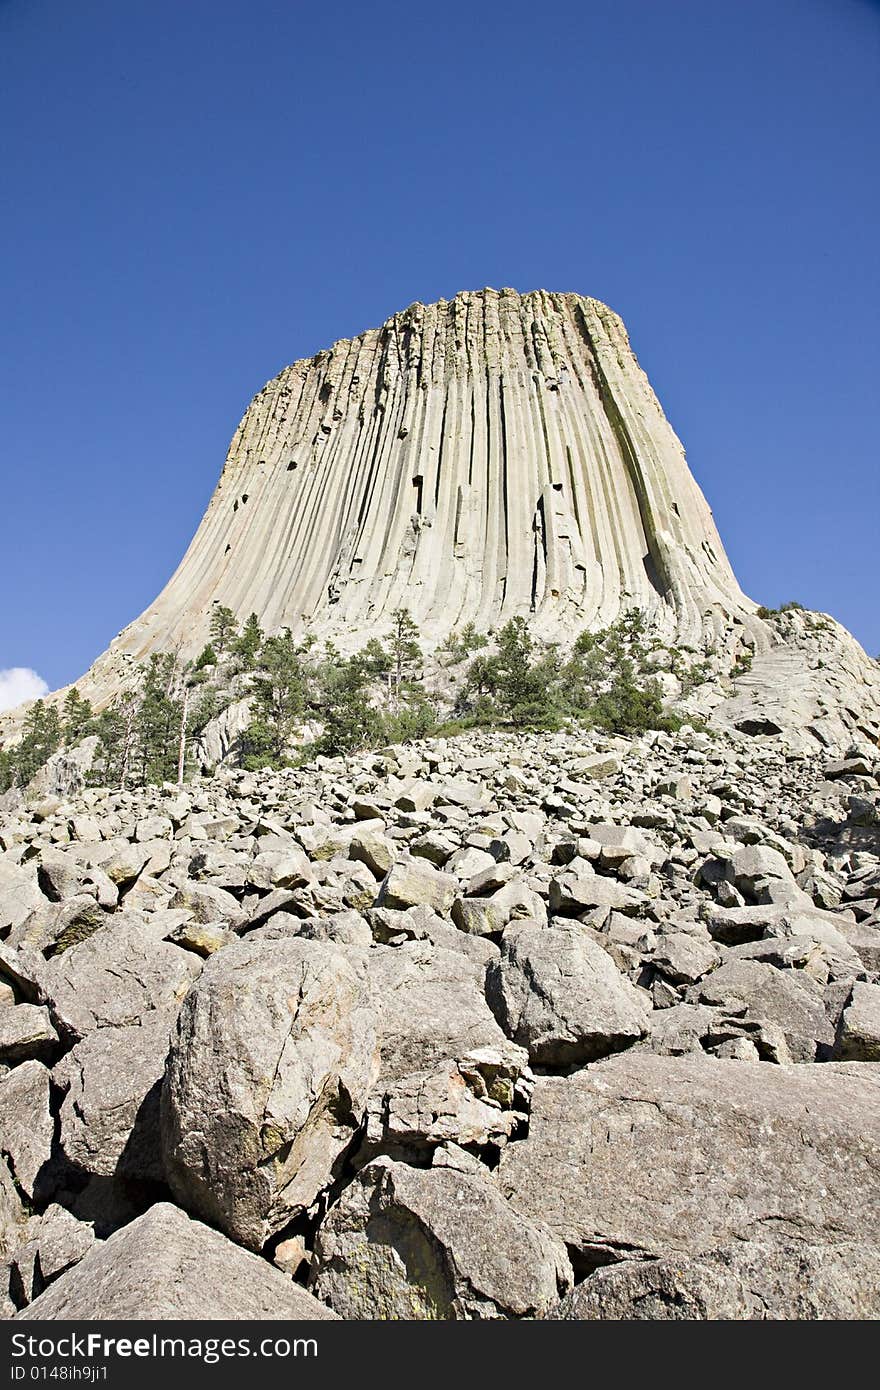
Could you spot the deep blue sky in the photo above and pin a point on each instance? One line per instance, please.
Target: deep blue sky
(197, 192)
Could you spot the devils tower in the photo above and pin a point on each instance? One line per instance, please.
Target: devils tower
(491, 456)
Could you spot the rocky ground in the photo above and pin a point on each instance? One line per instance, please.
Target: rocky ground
(498, 1027)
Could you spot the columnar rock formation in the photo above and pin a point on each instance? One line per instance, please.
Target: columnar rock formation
(490, 456)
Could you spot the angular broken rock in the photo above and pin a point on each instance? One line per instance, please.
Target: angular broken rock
(560, 995)
(270, 1067)
(790, 999)
(201, 938)
(109, 1122)
(430, 1007)
(684, 958)
(664, 1156)
(115, 978)
(12, 1213)
(52, 1243)
(163, 1267)
(571, 896)
(746, 1281)
(26, 1125)
(123, 862)
(209, 904)
(858, 1038)
(434, 1244)
(56, 926)
(421, 924)
(762, 875)
(19, 894)
(413, 882)
(470, 1102)
(26, 1032)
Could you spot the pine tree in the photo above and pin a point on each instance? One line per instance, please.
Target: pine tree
(279, 700)
(514, 683)
(158, 720)
(350, 721)
(7, 770)
(376, 659)
(206, 657)
(76, 718)
(224, 628)
(247, 646)
(41, 736)
(110, 726)
(406, 654)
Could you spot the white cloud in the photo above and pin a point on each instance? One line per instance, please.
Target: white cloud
(20, 683)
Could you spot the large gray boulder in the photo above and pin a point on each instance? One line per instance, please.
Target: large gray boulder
(12, 1213)
(51, 1243)
(432, 1244)
(790, 999)
(476, 1102)
(858, 1037)
(115, 978)
(165, 1267)
(413, 882)
(271, 1063)
(54, 927)
(26, 1124)
(659, 1156)
(746, 1281)
(26, 1033)
(109, 1122)
(430, 1007)
(762, 875)
(559, 994)
(19, 894)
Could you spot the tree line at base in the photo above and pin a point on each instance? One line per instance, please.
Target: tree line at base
(374, 698)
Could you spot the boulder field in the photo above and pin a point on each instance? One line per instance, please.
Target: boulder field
(496, 1026)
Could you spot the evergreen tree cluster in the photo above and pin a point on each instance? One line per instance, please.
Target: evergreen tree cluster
(370, 699)
(606, 683)
(45, 731)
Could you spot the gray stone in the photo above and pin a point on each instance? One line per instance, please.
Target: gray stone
(109, 1122)
(12, 1213)
(413, 882)
(558, 994)
(26, 1031)
(55, 927)
(684, 958)
(858, 1038)
(19, 894)
(680, 1155)
(430, 1008)
(53, 1242)
(115, 978)
(209, 904)
(26, 1125)
(422, 924)
(790, 999)
(166, 1267)
(376, 851)
(746, 1281)
(123, 862)
(271, 1064)
(202, 938)
(434, 1244)
(571, 895)
(762, 875)
(469, 1103)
